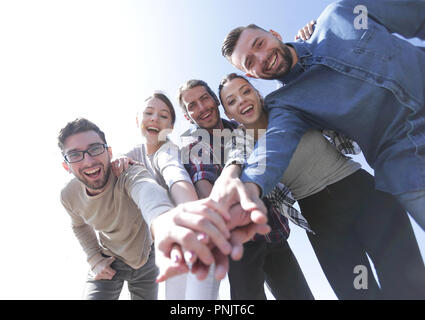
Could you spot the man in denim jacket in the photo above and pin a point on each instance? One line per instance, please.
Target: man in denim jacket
(352, 76)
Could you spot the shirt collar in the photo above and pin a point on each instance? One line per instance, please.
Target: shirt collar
(226, 124)
(302, 52)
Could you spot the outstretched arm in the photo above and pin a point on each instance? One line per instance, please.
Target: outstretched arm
(273, 151)
(183, 191)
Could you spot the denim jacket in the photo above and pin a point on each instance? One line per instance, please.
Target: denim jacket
(367, 84)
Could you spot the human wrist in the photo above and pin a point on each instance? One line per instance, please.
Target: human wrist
(253, 188)
(95, 259)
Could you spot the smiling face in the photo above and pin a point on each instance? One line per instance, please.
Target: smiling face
(201, 108)
(242, 102)
(94, 171)
(261, 54)
(154, 118)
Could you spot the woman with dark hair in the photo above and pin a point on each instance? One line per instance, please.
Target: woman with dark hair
(350, 219)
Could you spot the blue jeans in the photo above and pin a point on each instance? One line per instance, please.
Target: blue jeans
(414, 203)
(141, 282)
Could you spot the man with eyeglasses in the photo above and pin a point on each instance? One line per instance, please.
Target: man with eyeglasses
(97, 201)
(125, 212)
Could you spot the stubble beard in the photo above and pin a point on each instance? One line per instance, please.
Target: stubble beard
(286, 63)
(98, 185)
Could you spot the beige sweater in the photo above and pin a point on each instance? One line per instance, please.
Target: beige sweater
(121, 215)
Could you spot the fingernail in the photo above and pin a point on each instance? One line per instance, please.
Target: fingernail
(188, 256)
(201, 236)
(175, 258)
(220, 272)
(227, 249)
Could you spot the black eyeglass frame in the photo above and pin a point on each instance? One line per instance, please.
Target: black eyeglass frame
(83, 152)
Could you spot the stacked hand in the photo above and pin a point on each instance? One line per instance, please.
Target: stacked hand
(207, 231)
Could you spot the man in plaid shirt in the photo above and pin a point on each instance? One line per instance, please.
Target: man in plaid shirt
(204, 159)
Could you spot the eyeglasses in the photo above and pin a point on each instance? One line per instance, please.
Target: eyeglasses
(93, 151)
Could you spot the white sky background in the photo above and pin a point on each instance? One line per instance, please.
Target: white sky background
(98, 59)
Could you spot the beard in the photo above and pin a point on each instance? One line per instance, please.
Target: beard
(212, 125)
(97, 184)
(285, 65)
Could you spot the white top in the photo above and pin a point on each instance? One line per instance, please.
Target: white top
(164, 164)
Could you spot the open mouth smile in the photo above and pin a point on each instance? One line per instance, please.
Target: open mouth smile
(271, 62)
(247, 109)
(92, 173)
(205, 116)
(152, 129)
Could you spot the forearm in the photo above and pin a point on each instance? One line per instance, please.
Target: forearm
(203, 188)
(151, 199)
(274, 150)
(87, 238)
(226, 178)
(231, 171)
(183, 191)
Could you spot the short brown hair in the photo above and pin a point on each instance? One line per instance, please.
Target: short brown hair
(190, 84)
(232, 38)
(77, 126)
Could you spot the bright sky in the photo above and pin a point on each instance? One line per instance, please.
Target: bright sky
(98, 59)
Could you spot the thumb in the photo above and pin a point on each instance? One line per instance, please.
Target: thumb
(256, 208)
(244, 234)
(259, 214)
(246, 201)
(167, 268)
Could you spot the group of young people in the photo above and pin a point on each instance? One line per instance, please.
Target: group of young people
(230, 189)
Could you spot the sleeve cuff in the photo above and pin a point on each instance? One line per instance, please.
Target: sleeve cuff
(95, 259)
(245, 178)
(153, 214)
(201, 175)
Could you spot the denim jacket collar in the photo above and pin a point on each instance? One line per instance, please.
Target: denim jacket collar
(303, 52)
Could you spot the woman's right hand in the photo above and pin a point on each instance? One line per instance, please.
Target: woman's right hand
(120, 164)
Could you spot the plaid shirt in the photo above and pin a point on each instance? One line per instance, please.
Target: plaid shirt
(199, 170)
(342, 143)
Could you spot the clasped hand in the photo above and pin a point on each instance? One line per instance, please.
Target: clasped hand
(196, 234)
